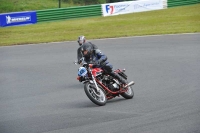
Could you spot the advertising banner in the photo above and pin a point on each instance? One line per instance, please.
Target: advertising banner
(18, 18)
(110, 9)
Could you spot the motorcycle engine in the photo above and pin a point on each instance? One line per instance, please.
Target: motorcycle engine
(110, 83)
(113, 86)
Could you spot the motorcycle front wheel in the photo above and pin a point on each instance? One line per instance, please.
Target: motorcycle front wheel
(98, 98)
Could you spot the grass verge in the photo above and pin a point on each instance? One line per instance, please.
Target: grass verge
(27, 5)
(185, 19)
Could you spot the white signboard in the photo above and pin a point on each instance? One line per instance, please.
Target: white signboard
(110, 9)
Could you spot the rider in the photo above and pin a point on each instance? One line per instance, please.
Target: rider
(81, 40)
(99, 59)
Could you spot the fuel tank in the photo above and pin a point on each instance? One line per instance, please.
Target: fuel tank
(96, 71)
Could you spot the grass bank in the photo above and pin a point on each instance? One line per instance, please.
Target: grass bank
(184, 19)
(27, 5)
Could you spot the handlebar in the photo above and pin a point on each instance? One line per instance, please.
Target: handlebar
(84, 64)
(90, 65)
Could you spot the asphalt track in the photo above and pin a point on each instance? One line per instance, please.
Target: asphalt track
(39, 91)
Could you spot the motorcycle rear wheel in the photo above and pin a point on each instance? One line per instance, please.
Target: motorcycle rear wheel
(98, 98)
(128, 94)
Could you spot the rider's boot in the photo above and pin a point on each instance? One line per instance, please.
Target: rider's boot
(118, 77)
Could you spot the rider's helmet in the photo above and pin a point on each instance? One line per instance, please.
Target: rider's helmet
(86, 50)
(81, 40)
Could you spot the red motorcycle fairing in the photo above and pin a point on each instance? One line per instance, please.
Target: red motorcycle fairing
(96, 71)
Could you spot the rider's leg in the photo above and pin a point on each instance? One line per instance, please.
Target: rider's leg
(108, 68)
(118, 77)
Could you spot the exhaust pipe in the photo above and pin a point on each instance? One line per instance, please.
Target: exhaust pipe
(129, 84)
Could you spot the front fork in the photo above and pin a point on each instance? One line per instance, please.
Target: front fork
(94, 81)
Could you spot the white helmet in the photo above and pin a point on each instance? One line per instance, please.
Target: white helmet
(81, 40)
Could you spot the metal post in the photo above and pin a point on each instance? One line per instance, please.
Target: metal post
(59, 3)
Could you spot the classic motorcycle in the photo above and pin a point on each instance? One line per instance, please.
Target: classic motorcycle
(100, 87)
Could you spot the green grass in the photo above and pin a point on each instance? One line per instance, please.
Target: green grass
(184, 19)
(27, 5)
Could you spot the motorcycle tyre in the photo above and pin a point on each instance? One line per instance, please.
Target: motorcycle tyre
(128, 94)
(92, 98)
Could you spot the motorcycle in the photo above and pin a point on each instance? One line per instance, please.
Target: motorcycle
(100, 87)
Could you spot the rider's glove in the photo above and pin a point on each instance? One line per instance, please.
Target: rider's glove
(98, 62)
(79, 62)
(85, 65)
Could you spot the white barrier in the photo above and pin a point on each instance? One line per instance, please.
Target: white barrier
(111, 9)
